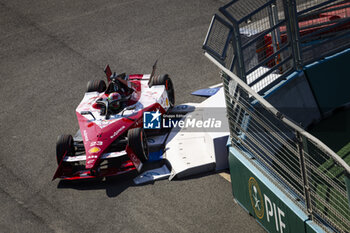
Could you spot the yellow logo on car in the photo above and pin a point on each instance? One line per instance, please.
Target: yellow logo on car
(94, 150)
(167, 101)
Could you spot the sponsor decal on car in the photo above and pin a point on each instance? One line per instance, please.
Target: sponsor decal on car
(97, 143)
(151, 140)
(86, 136)
(117, 132)
(137, 163)
(94, 150)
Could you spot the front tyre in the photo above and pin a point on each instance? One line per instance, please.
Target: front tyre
(64, 145)
(96, 85)
(169, 87)
(137, 141)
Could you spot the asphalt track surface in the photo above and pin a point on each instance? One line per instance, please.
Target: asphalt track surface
(49, 50)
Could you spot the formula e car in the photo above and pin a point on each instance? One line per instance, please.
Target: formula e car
(111, 139)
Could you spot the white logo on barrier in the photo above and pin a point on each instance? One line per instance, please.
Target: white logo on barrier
(272, 210)
(256, 197)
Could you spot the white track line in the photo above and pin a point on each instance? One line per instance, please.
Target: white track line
(216, 85)
(226, 176)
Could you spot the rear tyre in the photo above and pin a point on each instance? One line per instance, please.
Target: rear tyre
(169, 87)
(64, 145)
(96, 85)
(137, 141)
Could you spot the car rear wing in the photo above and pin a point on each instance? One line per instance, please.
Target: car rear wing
(108, 72)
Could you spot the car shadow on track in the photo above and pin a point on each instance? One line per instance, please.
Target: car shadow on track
(113, 185)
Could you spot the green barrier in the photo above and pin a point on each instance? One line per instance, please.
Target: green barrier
(262, 199)
(347, 182)
(311, 227)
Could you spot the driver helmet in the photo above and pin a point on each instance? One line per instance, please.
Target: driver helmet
(114, 96)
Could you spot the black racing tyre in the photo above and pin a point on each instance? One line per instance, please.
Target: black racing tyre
(166, 81)
(96, 85)
(137, 141)
(65, 144)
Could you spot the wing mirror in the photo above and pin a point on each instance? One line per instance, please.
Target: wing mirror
(87, 113)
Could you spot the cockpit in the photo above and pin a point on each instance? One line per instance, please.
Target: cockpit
(116, 96)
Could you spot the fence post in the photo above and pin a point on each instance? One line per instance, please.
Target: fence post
(238, 53)
(276, 37)
(291, 16)
(234, 96)
(302, 147)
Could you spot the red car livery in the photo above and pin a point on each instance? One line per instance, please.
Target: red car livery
(110, 118)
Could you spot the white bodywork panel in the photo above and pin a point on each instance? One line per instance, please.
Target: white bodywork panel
(151, 175)
(195, 152)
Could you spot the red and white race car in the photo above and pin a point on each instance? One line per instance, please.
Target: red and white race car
(111, 125)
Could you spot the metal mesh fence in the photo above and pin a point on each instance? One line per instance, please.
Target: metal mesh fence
(241, 10)
(264, 41)
(256, 130)
(261, 43)
(303, 6)
(324, 28)
(327, 187)
(218, 38)
(264, 55)
(305, 169)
